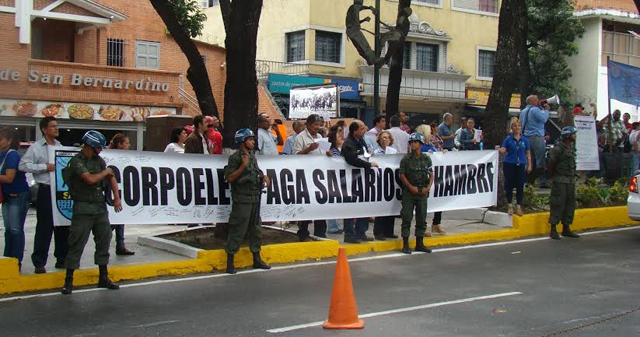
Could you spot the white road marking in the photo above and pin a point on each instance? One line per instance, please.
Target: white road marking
(396, 311)
(310, 264)
(153, 324)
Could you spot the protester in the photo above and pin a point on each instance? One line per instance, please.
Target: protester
(15, 193)
(120, 142)
(533, 120)
(431, 147)
(444, 131)
(178, 136)
(400, 137)
(279, 131)
(463, 125)
(298, 127)
(36, 161)
(517, 163)
(468, 140)
(88, 178)
(354, 147)
(306, 143)
(615, 136)
(403, 120)
(562, 169)
(370, 140)
(383, 225)
(197, 142)
(625, 119)
(247, 181)
(336, 139)
(214, 136)
(436, 140)
(416, 174)
(379, 123)
(267, 142)
(425, 131)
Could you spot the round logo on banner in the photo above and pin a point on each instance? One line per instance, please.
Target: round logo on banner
(63, 198)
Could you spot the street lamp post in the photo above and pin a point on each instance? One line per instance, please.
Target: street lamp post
(376, 66)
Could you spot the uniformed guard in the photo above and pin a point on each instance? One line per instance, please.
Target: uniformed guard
(88, 178)
(416, 174)
(247, 181)
(562, 167)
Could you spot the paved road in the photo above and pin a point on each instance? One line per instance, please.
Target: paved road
(541, 287)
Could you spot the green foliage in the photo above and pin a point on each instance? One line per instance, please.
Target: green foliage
(595, 194)
(552, 28)
(534, 201)
(189, 15)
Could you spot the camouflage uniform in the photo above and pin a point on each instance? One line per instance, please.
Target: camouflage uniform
(563, 195)
(417, 170)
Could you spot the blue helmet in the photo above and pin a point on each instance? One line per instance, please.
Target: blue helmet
(242, 135)
(416, 136)
(567, 131)
(94, 138)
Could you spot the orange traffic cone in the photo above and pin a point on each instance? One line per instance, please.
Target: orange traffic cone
(343, 312)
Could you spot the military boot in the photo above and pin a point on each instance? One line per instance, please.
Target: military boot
(554, 233)
(420, 247)
(258, 263)
(405, 245)
(104, 281)
(566, 232)
(231, 269)
(68, 283)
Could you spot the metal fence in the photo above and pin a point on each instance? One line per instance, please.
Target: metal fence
(263, 68)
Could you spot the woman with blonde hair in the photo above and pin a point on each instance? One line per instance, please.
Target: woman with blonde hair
(517, 164)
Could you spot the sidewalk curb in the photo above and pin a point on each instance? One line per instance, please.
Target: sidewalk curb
(206, 261)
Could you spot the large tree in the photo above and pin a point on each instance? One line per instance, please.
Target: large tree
(241, 18)
(185, 21)
(395, 64)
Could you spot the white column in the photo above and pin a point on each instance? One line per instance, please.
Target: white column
(26, 7)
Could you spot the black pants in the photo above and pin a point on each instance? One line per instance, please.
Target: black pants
(45, 229)
(514, 176)
(383, 225)
(319, 229)
(437, 218)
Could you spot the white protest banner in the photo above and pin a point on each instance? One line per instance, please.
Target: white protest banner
(586, 144)
(159, 188)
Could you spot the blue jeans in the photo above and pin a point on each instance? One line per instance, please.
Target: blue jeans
(539, 154)
(14, 213)
(361, 227)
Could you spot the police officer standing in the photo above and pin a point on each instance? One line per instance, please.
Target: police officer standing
(562, 167)
(416, 174)
(88, 178)
(246, 181)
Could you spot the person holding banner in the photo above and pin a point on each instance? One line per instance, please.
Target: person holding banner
(336, 139)
(468, 139)
(517, 163)
(88, 179)
(416, 174)
(120, 142)
(562, 167)
(267, 142)
(178, 135)
(197, 141)
(383, 225)
(247, 181)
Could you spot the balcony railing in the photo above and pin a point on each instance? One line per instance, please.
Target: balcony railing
(263, 68)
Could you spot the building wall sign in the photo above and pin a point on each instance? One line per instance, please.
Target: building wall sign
(481, 97)
(282, 84)
(80, 80)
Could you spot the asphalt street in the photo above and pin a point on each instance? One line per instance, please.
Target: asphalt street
(539, 287)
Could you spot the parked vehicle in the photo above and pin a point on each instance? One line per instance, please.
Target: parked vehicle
(633, 201)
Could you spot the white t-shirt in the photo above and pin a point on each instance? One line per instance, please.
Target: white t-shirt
(400, 139)
(174, 148)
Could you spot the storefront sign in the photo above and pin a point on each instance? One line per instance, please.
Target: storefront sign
(84, 111)
(481, 97)
(282, 84)
(159, 188)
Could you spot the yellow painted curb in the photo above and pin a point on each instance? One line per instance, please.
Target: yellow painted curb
(528, 225)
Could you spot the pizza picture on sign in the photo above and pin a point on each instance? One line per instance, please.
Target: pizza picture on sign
(80, 111)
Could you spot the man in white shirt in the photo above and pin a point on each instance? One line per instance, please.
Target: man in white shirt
(267, 142)
(36, 161)
(379, 124)
(463, 125)
(306, 143)
(400, 137)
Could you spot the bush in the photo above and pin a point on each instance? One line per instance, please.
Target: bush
(534, 201)
(595, 194)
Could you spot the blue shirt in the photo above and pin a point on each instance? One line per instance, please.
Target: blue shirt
(516, 150)
(426, 148)
(443, 131)
(533, 119)
(19, 183)
(288, 144)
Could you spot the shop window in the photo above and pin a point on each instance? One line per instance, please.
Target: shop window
(486, 63)
(115, 52)
(406, 56)
(148, 54)
(295, 46)
(328, 46)
(427, 57)
(487, 6)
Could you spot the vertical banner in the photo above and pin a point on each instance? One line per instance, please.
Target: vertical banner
(587, 158)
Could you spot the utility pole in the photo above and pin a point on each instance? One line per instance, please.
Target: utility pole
(376, 66)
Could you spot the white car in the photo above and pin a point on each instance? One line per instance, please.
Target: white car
(633, 201)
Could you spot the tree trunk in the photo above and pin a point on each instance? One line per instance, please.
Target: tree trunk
(395, 71)
(197, 72)
(241, 20)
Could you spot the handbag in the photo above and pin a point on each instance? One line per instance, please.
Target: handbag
(1, 167)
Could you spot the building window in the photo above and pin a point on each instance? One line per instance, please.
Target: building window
(328, 46)
(488, 6)
(431, 2)
(427, 57)
(148, 54)
(208, 3)
(115, 52)
(295, 46)
(486, 63)
(406, 56)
